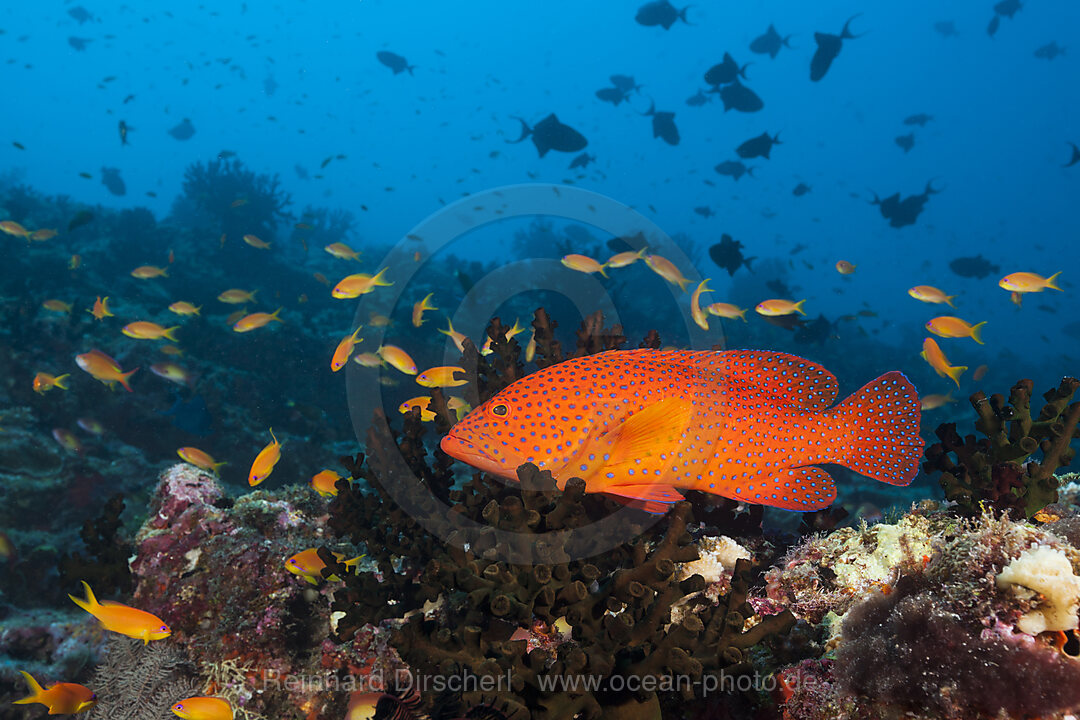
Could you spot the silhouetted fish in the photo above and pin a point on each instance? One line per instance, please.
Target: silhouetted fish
(828, 47)
(80, 14)
(734, 169)
(995, 23)
(83, 217)
(769, 43)
(919, 119)
(815, 331)
(611, 95)
(1008, 8)
(737, 96)
(801, 189)
(78, 43)
(759, 146)
(110, 178)
(394, 61)
(1050, 51)
(704, 211)
(728, 255)
(906, 141)
(1075, 156)
(183, 131)
(725, 72)
(550, 134)
(698, 100)
(625, 83)
(973, 267)
(660, 12)
(946, 28)
(582, 160)
(663, 125)
(903, 212)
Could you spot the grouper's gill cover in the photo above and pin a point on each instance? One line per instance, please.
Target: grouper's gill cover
(747, 425)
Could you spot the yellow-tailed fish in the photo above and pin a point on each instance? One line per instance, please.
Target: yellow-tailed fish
(10, 227)
(701, 317)
(325, 483)
(933, 402)
(119, 618)
(235, 296)
(458, 405)
(172, 372)
(398, 359)
(583, 263)
(100, 311)
(147, 272)
(102, 367)
(308, 565)
(199, 458)
(844, 267)
(360, 284)
(57, 306)
(419, 308)
(625, 259)
(441, 377)
(265, 461)
(182, 307)
(454, 335)
(420, 402)
(44, 382)
(667, 270)
(61, 698)
(727, 310)
(145, 330)
(254, 321)
(344, 350)
(930, 294)
(530, 347)
(777, 307)
(201, 707)
(369, 360)
(67, 440)
(947, 326)
(342, 251)
(255, 242)
(1026, 282)
(934, 356)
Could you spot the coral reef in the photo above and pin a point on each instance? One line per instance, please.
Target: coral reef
(108, 571)
(141, 682)
(996, 470)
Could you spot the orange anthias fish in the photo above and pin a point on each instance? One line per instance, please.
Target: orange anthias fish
(203, 708)
(360, 284)
(419, 308)
(751, 426)
(254, 321)
(344, 350)
(104, 368)
(123, 619)
(43, 382)
(101, 310)
(61, 698)
(935, 357)
(265, 461)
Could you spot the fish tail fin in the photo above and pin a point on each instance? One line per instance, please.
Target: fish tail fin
(165, 273)
(885, 444)
(786, 42)
(955, 372)
(750, 171)
(168, 333)
(798, 306)
(354, 561)
(526, 131)
(379, 279)
(276, 316)
(90, 603)
(1051, 281)
(742, 314)
(410, 68)
(682, 14)
(776, 139)
(846, 33)
(59, 382)
(976, 332)
(949, 300)
(123, 380)
(35, 688)
(602, 270)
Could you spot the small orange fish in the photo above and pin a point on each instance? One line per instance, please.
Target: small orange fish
(42, 235)
(255, 242)
(1025, 282)
(181, 307)
(44, 382)
(667, 270)
(75, 262)
(584, 264)
(146, 272)
(421, 402)
(419, 308)
(934, 356)
(61, 698)
(171, 350)
(947, 326)
(100, 311)
(254, 321)
(265, 461)
(930, 294)
(367, 360)
(57, 306)
(172, 372)
(1017, 298)
(727, 310)
(441, 377)
(530, 347)
(746, 425)
(119, 618)
(342, 251)
(237, 297)
(980, 373)
(10, 227)
(203, 708)
(513, 332)
(67, 440)
(308, 565)
(102, 367)
(320, 278)
(344, 350)
(199, 458)
(844, 267)
(397, 358)
(325, 483)
(933, 402)
(145, 330)
(454, 335)
(625, 259)
(701, 317)
(777, 307)
(360, 284)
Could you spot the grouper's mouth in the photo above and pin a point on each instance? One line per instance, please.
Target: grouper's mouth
(468, 452)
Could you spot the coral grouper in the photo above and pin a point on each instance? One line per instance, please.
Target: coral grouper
(752, 426)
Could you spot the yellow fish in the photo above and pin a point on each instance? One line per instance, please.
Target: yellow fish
(146, 272)
(777, 308)
(102, 367)
(625, 259)
(933, 402)
(44, 382)
(583, 263)
(57, 306)
(199, 458)
(171, 372)
(727, 310)
(367, 360)
(344, 350)
(1025, 282)
(265, 461)
(255, 242)
(203, 708)
(144, 330)
(235, 296)
(75, 262)
(119, 618)
(441, 377)
(397, 358)
(947, 326)
(419, 308)
(933, 355)
(42, 234)
(844, 267)
(530, 347)
(667, 270)
(254, 321)
(101, 310)
(10, 227)
(61, 698)
(342, 251)
(325, 483)
(308, 565)
(359, 284)
(930, 294)
(701, 317)
(420, 402)
(182, 307)
(454, 335)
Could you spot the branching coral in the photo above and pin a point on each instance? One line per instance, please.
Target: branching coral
(996, 470)
(234, 200)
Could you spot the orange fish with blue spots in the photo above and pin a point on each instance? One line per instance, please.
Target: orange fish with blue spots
(641, 424)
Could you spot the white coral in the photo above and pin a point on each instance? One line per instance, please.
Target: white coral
(1046, 571)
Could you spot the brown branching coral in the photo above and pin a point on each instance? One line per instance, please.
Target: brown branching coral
(996, 469)
(141, 682)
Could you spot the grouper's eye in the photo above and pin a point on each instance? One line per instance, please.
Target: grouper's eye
(500, 410)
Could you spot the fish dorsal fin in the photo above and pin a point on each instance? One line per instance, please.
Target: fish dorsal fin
(783, 378)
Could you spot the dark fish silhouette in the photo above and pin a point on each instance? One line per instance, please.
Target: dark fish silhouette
(270, 85)
(903, 212)
(734, 169)
(801, 189)
(301, 172)
(183, 131)
(663, 125)
(611, 95)
(737, 96)
(83, 217)
(919, 119)
(995, 23)
(728, 255)
(815, 331)
(1008, 8)
(582, 160)
(698, 100)
(660, 12)
(704, 211)
(621, 87)
(79, 43)
(725, 72)
(974, 267)
(769, 43)
(625, 83)
(550, 134)
(759, 146)
(80, 13)
(906, 141)
(110, 178)
(1075, 156)
(1050, 51)
(394, 61)
(124, 129)
(947, 28)
(828, 47)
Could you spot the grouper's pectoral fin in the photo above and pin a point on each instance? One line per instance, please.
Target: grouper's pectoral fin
(656, 499)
